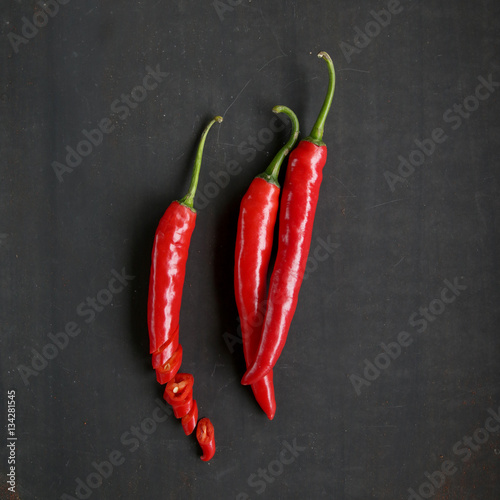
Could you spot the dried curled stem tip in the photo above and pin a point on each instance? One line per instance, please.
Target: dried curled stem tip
(325, 55)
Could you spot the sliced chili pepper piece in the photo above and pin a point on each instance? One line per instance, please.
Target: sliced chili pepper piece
(189, 421)
(179, 389)
(254, 241)
(297, 209)
(166, 351)
(168, 371)
(182, 409)
(206, 438)
(179, 394)
(168, 260)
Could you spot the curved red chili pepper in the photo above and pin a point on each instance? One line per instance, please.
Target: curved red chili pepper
(297, 209)
(206, 439)
(254, 240)
(168, 269)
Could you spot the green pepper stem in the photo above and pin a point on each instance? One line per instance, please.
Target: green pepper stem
(272, 171)
(188, 200)
(316, 135)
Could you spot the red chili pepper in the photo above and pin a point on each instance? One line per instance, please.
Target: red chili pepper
(254, 240)
(168, 269)
(189, 421)
(206, 438)
(297, 209)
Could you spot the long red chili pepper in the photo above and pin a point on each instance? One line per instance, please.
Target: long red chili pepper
(168, 269)
(297, 209)
(254, 240)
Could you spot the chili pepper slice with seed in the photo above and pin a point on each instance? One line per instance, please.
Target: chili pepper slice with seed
(297, 209)
(179, 394)
(206, 438)
(167, 371)
(254, 241)
(168, 269)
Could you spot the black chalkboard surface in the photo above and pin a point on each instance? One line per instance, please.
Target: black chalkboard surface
(388, 385)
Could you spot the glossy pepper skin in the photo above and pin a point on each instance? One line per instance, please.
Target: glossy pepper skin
(297, 210)
(189, 420)
(168, 270)
(254, 241)
(206, 438)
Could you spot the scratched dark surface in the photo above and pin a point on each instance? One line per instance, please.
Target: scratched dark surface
(388, 386)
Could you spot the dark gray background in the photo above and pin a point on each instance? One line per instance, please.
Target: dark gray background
(389, 250)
